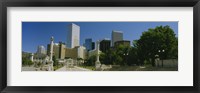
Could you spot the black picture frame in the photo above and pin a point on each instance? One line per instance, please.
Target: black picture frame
(99, 3)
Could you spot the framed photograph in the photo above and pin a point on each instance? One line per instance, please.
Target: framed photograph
(89, 46)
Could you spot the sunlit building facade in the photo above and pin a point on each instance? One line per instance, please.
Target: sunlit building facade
(73, 36)
(116, 36)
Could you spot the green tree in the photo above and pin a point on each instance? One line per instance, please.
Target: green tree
(117, 56)
(122, 52)
(155, 40)
(79, 59)
(105, 58)
(55, 62)
(133, 57)
(90, 61)
(26, 58)
(26, 61)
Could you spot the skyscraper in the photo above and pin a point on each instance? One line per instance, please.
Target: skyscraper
(88, 44)
(116, 36)
(73, 36)
(41, 50)
(105, 45)
(93, 45)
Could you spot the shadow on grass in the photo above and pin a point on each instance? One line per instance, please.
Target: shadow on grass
(143, 68)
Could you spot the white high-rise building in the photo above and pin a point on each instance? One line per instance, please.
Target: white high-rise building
(41, 50)
(116, 36)
(73, 36)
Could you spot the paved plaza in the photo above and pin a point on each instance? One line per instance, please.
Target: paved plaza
(64, 68)
(75, 68)
(28, 68)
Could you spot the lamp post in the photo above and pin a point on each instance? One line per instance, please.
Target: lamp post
(161, 52)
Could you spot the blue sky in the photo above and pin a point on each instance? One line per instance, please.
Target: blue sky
(39, 33)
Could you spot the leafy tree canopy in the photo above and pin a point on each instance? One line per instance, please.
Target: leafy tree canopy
(160, 41)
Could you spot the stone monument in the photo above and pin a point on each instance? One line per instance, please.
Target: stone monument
(97, 63)
(51, 48)
(31, 57)
(50, 62)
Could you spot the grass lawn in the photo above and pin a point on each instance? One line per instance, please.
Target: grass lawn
(57, 67)
(145, 68)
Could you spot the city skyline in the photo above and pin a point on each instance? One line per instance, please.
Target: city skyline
(38, 33)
